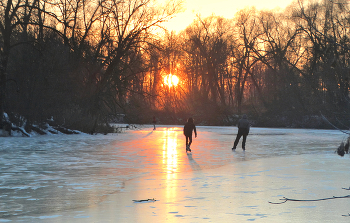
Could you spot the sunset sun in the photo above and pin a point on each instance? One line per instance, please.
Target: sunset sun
(171, 80)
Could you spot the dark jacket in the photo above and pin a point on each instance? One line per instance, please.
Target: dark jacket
(244, 124)
(188, 128)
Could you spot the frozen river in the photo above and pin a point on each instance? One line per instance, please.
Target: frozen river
(42, 176)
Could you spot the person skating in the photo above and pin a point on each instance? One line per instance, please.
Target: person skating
(188, 129)
(243, 130)
(154, 122)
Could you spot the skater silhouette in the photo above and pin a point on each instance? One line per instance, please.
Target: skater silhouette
(243, 130)
(188, 129)
(154, 122)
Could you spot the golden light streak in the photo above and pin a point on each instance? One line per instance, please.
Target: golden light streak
(170, 162)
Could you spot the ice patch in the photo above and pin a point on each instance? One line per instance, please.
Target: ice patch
(48, 217)
(82, 216)
(245, 214)
(306, 207)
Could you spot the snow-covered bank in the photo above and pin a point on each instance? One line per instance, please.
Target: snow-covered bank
(19, 127)
(22, 128)
(64, 178)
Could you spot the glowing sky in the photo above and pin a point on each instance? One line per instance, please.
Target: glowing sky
(225, 8)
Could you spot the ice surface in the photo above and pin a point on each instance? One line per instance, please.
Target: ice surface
(50, 178)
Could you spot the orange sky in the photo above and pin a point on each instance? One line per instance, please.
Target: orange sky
(225, 8)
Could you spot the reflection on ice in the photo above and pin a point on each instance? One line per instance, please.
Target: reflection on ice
(42, 176)
(170, 156)
(170, 162)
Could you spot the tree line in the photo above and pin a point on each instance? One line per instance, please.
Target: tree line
(85, 62)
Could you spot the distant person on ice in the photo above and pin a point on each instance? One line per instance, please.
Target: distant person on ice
(243, 130)
(188, 129)
(154, 122)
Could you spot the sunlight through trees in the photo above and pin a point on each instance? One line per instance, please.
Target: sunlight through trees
(171, 80)
(86, 62)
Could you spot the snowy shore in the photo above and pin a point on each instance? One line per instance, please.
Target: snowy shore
(96, 178)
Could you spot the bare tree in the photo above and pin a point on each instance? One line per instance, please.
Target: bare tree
(208, 48)
(325, 29)
(248, 35)
(112, 34)
(14, 17)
